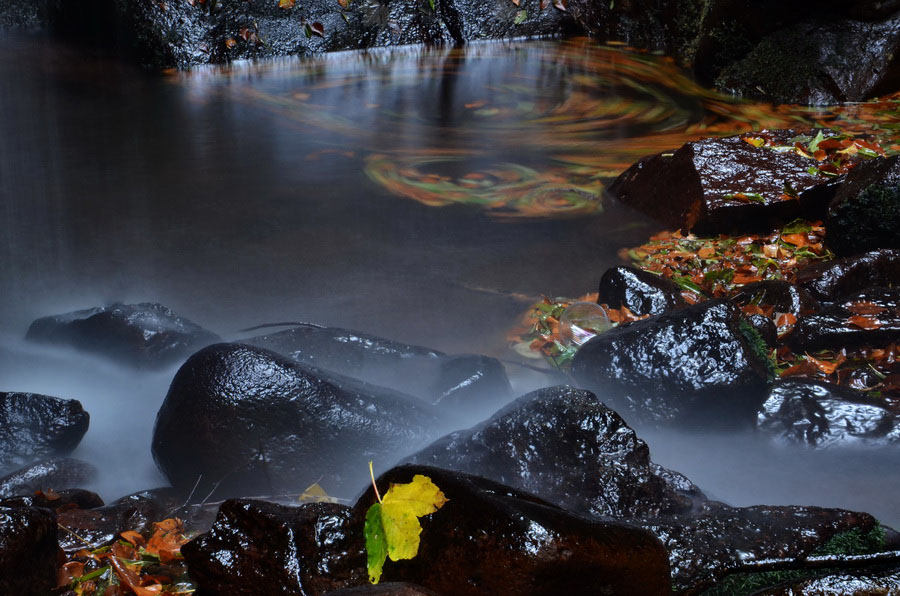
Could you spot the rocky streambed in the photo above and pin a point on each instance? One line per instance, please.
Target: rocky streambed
(550, 492)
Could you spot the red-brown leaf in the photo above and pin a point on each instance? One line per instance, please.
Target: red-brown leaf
(863, 307)
(863, 322)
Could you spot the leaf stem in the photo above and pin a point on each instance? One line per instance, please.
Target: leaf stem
(372, 475)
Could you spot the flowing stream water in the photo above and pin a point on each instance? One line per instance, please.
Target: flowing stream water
(421, 194)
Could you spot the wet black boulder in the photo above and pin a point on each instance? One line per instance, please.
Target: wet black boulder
(870, 318)
(818, 414)
(492, 539)
(642, 292)
(461, 383)
(839, 279)
(56, 473)
(34, 426)
(28, 551)
(255, 547)
(247, 421)
(781, 295)
(721, 185)
(146, 335)
(865, 213)
(697, 366)
(565, 445)
(72, 498)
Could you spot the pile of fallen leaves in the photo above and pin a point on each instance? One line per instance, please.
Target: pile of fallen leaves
(131, 565)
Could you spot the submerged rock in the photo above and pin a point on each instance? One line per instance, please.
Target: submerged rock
(566, 446)
(256, 547)
(242, 420)
(491, 539)
(642, 292)
(95, 527)
(782, 296)
(146, 335)
(839, 279)
(870, 318)
(701, 365)
(719, 185)
(56, 500)
(463, 383)
(57, 474)
(34, 426)
(865, 213)
(819, 414)
(28, 551)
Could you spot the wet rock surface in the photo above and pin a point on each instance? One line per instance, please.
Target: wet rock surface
(865, 213)
(820, 63)
(385, 589)
(146, 335)
(57, 474)
(28, 551)
(55, 500)
(781, 295)
(818, 414)
(240, 420)
(717, 185)
(717, 539)
(565, 445)
(692, 367)
(466, 382)
(95, 527)
(34, 427)
(641, 292)
(489, 538)
(23, 15)
(840, 279)
(883, 583)
(869, 318)
(256, 547)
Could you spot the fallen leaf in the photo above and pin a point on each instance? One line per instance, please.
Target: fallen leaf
(862, 307)
(230, 42)
(286, 3)
(800, 240)
(317, 29)
(864, 322)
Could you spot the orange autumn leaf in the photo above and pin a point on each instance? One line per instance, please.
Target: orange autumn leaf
(863, 322)
(753, 309)
(132, 580)
(863, 307)
(707, 252)
(133, 537)
(804, 369)
(786, 320)
(822, 365)
(167, 539)
(800, 240)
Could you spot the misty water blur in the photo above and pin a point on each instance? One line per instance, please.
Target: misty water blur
(306, 191)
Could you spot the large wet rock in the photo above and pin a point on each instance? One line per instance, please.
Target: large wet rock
(840, 279)
(256, 547)
(51, 474)
(182, 34)
(565, 445)
(491, 539)
(720, 185)
(642, 292)
(28, 551)
(870, 318)
(247, 421)
(782, 296)
(820, 63)
(819, 414)
(700, 365)
(461, 384)
(92, 528)
(55, 500)
(146, 335)
(34, 426)
(865, 213)
(718, 540)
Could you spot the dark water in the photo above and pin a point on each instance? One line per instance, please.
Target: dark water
(409, 193)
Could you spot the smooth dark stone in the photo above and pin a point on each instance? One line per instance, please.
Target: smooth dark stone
(146, 335)
(492, 539)
(840, 279)
(718, 540)
(818, 63)
(818, 414)
(240, 420)
(34, 427)
(563, 444)
(64, 499)
(28, 551)
(688, 188)
(765, 327)
(57, 474)
(643, 293)
(385, 589)
(783, 296)
(850, 583)
(865, 213)
(694, 367)
(93, 528)
(255, 547)
(464, 383)
(838, 326)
